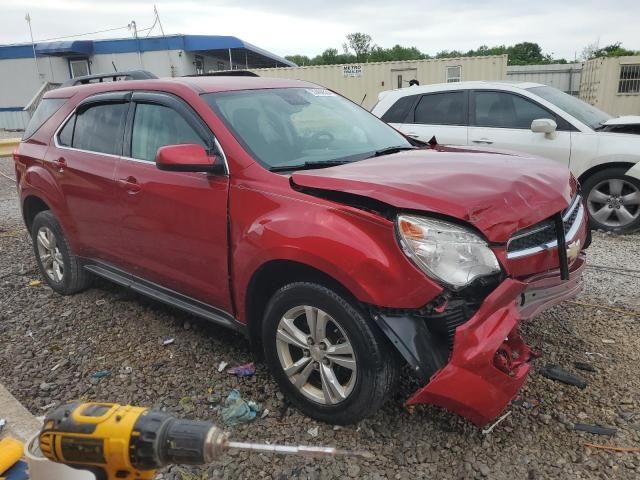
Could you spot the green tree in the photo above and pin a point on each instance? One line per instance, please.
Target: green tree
(614, 50)
(360, 43)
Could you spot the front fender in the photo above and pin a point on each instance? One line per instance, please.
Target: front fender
(357, 249)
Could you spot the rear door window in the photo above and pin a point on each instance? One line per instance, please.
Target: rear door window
(100, 128)
(399, 111)
(155, 126)
(442, 109)
(46, 108)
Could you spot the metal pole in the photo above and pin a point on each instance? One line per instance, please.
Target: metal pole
(171, 66)
(134, 27)
(33, 44)
(230, 61)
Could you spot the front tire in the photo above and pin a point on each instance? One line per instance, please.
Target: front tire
(60, 268)
(327, 359)
(613, 200)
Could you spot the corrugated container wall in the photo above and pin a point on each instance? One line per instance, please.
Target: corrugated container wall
(363, 82)
(612, 84)
(565, 77)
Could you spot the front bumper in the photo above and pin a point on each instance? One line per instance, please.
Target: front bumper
(490, 362)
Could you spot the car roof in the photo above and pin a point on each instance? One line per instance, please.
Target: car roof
(442, 87)
(204, 84)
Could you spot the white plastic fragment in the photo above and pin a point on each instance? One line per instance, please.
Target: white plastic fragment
(489, 430)
(222, 366)
(313, 432)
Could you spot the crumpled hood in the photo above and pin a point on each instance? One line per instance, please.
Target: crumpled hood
(498, 193)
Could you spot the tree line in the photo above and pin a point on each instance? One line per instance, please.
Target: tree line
(359, 47)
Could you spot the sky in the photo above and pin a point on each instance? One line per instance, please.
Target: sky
(286, 27)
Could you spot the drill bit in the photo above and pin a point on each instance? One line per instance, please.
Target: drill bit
(298, 450)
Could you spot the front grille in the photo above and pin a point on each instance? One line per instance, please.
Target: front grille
(542, 236)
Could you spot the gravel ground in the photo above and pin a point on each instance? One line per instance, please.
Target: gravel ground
(51, 345)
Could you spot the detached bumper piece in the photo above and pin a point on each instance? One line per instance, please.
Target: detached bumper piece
(490, 361)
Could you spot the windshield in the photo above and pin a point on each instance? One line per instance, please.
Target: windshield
(303, 127)
(587, 114)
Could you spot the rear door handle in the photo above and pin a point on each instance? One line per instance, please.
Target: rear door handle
(130, 184)
(486, 141)
(60, 163)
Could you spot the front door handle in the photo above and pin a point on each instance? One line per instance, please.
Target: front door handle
(413, 135)
(130, 184)
(486, 141)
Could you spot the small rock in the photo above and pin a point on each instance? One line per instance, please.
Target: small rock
(484, 469)
(353, 470)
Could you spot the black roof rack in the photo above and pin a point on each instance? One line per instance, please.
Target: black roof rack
(110, 77)
(226, 73)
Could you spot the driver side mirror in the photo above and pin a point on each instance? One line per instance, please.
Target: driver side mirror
(188, 158)
(543, 125)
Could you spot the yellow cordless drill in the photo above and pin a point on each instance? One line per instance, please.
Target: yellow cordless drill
(125, 442)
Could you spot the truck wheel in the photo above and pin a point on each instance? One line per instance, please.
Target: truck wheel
(328, 360)
(59, 267)
(613, 200)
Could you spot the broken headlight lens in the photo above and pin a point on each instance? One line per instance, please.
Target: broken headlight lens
(445, 251)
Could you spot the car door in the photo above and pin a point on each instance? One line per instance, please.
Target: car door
(442, 115)
(502, 120)
(173, 225)
(84, 158)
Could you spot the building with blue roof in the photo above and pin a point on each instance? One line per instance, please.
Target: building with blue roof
(26, 70)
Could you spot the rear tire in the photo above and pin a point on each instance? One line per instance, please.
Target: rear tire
(340, 374)
(613, 200)
(60, 268)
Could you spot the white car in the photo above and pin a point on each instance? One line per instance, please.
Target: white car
(603, 152)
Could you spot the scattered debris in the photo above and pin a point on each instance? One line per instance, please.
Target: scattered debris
(102, 301)
(237, 410)
(222, 366)
(521, 402)
(265, 413)
(101, 374)
(3, 422)
(587, 367)
(48, 406)
(313, 432)
(608, 341)
(556, 373)
(168, 341)
(246, 370)
(612, 447)
(591, 354)
(597, 429)
(35, 283)
(127, 370)
(493, 425)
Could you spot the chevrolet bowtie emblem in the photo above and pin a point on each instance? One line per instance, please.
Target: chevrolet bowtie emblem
(573, 249)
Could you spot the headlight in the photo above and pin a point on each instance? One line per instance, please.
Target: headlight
(445, 251)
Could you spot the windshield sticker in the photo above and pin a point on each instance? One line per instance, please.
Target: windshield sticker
(320, 92)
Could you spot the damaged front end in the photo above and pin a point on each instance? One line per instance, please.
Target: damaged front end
(477, 368)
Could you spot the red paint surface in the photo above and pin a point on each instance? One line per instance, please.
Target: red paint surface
(473, 384)
(207, 236)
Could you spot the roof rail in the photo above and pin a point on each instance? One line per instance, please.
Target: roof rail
(226, 73)
(110, 77)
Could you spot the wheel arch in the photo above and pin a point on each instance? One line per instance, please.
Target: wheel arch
(601, 167)
(269, 278)
(31, 206)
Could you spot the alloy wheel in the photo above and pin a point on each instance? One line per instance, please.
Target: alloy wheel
(50, 255)
(316, 355)
(614, 203)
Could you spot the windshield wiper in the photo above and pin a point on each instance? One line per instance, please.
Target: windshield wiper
(390, 150)
(308, 165)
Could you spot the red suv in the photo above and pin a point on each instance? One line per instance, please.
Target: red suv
(282, 210)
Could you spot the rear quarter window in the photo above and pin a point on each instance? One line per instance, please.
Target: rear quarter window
(399, 111)
(47, 107)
